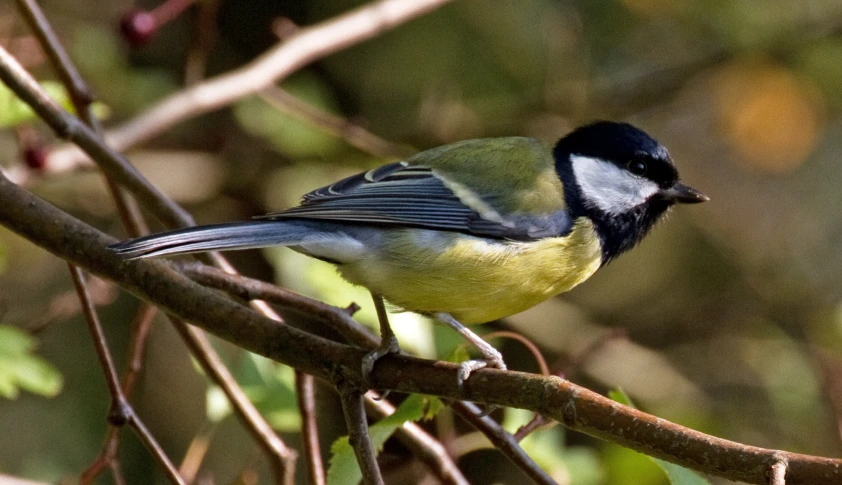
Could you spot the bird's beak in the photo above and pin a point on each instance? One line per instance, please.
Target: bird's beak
(683, 194)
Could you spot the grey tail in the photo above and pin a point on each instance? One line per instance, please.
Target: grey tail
(235, 235)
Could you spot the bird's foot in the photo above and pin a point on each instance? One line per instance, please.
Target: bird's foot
(388, 345)
(491, 358)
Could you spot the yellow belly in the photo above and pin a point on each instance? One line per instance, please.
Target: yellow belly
(476, 280)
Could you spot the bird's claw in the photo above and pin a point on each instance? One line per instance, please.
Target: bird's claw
(491, 358)
(468, 367)
(388, 345)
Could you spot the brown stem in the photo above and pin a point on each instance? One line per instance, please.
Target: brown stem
(305, 390)
(353, 407)
(503, 441)
(429, 450)
(305, 46)
(121, 411)
(353, 134)
(777, 473)
(140, 330)
(281, 458)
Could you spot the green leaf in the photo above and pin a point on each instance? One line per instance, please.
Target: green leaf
(458, 355)
(21, 370)
(268, 385)
(13, 111)
(677, 475)
(343, 463)
(621, 397)
(14, 342)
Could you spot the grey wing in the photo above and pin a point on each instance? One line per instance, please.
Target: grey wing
(404, 195)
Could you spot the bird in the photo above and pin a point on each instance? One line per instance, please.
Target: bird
(471, 231)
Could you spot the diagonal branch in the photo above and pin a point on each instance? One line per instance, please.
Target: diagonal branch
(577, 408)
(281, 458)
(121, 411)
(302, 48)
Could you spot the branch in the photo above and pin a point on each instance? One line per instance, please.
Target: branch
(302, 48)
(68, 126)
(281, 457)
(503, 441)
(353, 134)
(121, 411)
(428, 449)
(159, 282)
(305, 391)
(435, 457)
(82, 99)
(353, 407)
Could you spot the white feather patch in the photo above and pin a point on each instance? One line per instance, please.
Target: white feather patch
(472, 200)
(609, 187)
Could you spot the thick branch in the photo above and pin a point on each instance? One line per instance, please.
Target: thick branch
(578, 408)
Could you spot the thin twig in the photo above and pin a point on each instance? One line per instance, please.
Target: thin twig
(503, 441)
(777, 473)
(536, 423)
(68, 126)
(196, 452)
(281, 458)
(121, 411)
(305, 391)
(140, 330)
(305, 46)
(109, 454)
(82, 100)
(353, 407)
(428, 449)
(533, 349)
(338, 319)
(80, 93)
(355, 135)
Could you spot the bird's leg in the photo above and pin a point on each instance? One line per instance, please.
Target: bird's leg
(491, 356)
(388, 341)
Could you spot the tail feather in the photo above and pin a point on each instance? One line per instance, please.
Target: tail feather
(236, 235)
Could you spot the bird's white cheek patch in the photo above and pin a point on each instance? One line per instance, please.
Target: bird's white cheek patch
(609, 187)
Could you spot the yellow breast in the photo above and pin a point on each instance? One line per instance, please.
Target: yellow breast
(474, 279)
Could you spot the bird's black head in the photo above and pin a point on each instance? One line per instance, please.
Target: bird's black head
(622, 179)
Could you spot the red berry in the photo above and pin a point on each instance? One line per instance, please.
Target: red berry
(35, 157)
(138, 27)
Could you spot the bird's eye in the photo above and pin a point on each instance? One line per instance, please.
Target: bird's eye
(637, 167)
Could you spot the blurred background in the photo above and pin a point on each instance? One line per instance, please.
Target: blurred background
(727, 319)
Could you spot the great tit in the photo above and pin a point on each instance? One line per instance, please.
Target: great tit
(472, 231)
